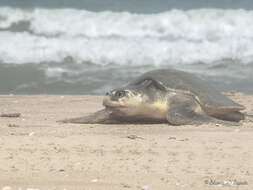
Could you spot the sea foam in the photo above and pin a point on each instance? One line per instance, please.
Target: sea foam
(123, 38)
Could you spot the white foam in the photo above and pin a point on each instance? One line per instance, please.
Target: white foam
(172, 37)
(9, 16)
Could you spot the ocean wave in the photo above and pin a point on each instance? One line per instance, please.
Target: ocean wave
(172, 37)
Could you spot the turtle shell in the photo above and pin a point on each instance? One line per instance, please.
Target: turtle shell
(211, 100)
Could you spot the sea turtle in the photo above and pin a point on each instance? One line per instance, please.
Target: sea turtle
(165, 95)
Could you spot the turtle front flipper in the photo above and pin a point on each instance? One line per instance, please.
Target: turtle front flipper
(184, 110)
(235, 116)
(99, 117)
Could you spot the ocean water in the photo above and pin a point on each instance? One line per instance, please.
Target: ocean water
(89, 47)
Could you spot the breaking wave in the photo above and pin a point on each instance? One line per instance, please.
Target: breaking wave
(169, 38)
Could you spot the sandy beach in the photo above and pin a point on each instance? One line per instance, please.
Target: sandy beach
(36, 152)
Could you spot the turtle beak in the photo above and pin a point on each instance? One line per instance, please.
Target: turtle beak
(107, 102)
(110, 102)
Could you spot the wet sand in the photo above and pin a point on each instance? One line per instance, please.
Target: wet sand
(36, 152)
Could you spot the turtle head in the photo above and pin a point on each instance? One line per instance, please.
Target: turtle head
(124, 101)
(134, 100)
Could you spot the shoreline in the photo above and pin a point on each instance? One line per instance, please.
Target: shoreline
(37, 152)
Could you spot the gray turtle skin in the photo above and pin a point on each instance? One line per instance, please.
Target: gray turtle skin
(165, 96)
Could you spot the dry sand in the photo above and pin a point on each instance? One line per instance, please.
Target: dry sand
(38, 153)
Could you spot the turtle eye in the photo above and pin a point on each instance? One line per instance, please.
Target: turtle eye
(120, 94)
